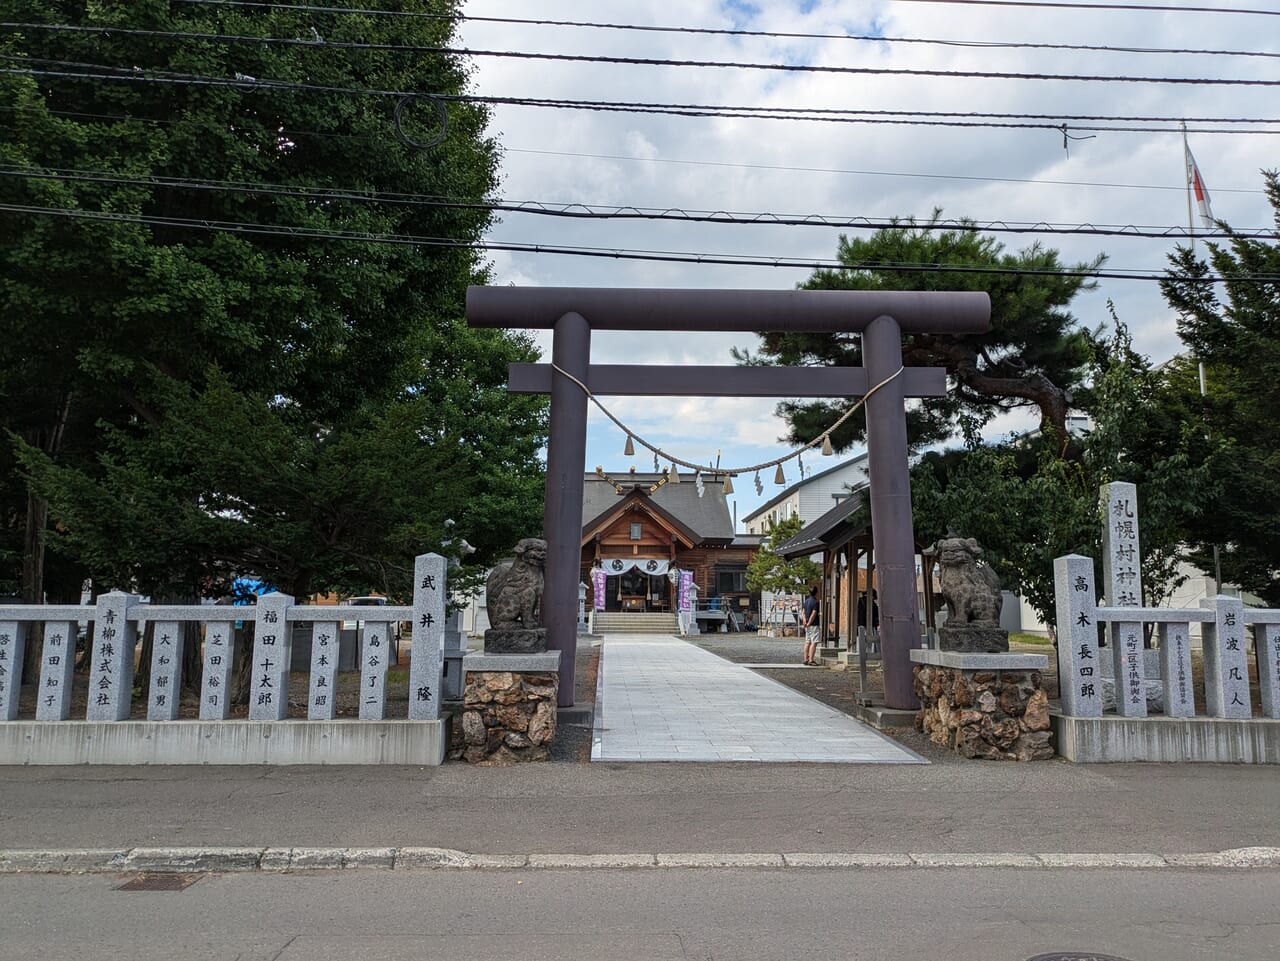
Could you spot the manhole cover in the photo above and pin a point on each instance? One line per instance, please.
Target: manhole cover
(160, 882)
(1075, 956)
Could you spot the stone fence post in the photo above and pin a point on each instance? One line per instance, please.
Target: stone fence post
(426, 658)
(1079, 672)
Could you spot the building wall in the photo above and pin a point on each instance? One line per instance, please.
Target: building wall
(810, 498)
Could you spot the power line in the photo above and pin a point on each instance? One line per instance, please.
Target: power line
(321, 43)
(844, 171)
(872, 173)
(857, 71)
(783, 67)
(1064, 5)
(584, 211)
(991, 3)
(303, 233)
(679, 110)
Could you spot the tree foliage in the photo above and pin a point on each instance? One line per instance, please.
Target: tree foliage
(1033, 356)
(1235, 331)
(778, 575)
(236, 393)
(1027, 506)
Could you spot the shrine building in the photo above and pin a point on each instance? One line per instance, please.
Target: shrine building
(640, 529)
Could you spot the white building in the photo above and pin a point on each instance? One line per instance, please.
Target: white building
(811, 497)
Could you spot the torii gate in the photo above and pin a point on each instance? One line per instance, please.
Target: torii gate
(881, 316)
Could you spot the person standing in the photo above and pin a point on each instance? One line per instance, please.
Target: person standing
(810, 610)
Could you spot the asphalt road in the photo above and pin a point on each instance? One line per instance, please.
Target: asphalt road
(1050, 806)
(651, 914)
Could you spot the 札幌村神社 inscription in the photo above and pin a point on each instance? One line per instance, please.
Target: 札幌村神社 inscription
(880, 316)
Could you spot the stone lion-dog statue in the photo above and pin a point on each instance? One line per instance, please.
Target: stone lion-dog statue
(970, 588)
(513, 592)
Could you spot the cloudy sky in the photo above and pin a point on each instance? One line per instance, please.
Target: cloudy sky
(790, 167)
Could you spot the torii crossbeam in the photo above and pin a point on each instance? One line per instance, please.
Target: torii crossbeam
(880, 316)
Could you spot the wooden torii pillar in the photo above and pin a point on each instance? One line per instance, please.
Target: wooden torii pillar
(880, 316)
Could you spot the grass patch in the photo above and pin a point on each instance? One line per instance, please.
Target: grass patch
(1033, 639)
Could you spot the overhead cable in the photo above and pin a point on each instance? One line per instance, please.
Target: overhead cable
(294, 132)
(745, 113)
(1061, 4)
(610, 253)
(469, 52)
(322, 43)
(585, 211)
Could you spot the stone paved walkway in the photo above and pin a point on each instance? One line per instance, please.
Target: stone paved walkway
(663, 699)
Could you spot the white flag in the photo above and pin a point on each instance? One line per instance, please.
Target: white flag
(1195, 183)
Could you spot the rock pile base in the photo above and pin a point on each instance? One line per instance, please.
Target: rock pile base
(508, 716)
(984, 713)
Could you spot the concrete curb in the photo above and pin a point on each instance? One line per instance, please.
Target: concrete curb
(215, 860)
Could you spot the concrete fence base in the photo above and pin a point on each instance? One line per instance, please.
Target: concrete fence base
(1211, 739)
(224, 742)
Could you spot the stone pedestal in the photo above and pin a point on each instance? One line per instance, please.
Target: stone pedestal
(973, 639)
(509, 708)
(984, 705)
(515, 640)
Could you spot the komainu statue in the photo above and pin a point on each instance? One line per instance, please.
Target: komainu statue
(513, 599)
(972, 592)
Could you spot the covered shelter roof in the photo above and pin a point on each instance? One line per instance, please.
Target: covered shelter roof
(832, 530)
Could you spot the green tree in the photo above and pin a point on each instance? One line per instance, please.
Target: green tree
(769, 572)
(208, 366)
(1027, 506)
(1236, 334)
(1033, 356)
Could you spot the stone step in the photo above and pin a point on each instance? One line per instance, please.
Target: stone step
(636, 623)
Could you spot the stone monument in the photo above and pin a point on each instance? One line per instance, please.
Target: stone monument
(972, 592)
(513, 598)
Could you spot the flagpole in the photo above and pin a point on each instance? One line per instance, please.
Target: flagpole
(1191, 230)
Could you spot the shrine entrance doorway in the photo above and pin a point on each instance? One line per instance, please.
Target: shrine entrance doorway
(880, 316)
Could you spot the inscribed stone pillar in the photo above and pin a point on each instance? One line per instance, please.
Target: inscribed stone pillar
(111, 673)
(215, 692)
(166, 671)
(57, 671)
(1122, 578)
(13, 645)
(1267, 648)
(373, 671)
(1130, 670)
(1226, 662)
(272, 650)
(322, 693)
(1175, 668)
(426, 657)
(1079, 673)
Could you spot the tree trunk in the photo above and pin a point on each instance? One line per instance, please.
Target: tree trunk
(33, 552)
(192, 657)
(33, 581)
(242, 674)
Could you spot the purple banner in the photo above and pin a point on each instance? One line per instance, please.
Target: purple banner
(598, 580)
(686, 590)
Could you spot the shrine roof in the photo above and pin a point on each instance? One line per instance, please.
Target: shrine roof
(707, 516)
